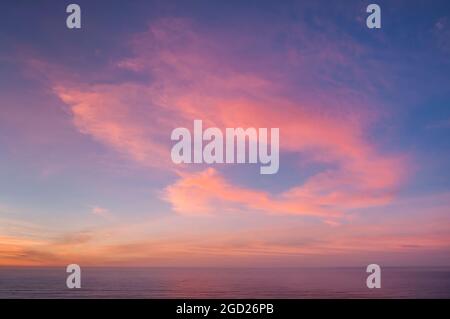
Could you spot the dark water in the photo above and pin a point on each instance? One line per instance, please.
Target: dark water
(225, 283)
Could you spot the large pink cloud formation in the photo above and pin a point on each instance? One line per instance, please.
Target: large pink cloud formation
(194, 77)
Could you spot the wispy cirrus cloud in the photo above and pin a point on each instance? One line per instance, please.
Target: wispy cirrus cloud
(102, 212)
(193, 76)
(298, 244)
(295, 241)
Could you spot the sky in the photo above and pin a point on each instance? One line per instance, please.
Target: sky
(86, 116)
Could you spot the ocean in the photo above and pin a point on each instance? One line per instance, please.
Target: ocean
(225, 283)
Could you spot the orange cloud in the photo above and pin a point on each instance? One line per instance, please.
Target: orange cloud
(312, 245)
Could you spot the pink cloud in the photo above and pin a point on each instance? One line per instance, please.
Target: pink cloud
(208, 191)
(194, 77)
(104, 114)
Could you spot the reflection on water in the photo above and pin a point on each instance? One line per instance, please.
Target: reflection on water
(225, 283)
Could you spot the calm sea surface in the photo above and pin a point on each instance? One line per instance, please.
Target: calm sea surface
(225, 283)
